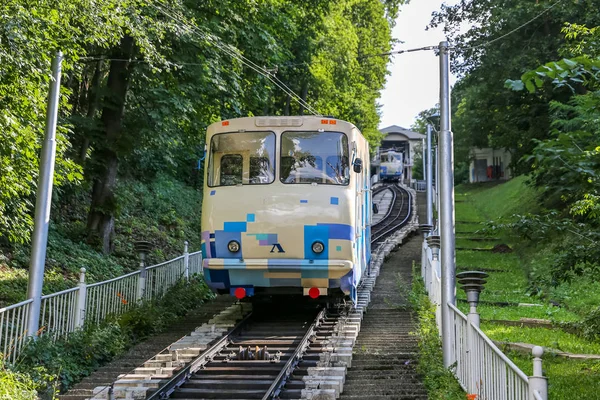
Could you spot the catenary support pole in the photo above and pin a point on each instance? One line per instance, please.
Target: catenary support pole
(446, 208)
(428, 178)
(42, 204)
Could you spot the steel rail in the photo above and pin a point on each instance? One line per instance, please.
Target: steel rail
(289, 367)
(184, 375)
(380, 234)
(389, 210)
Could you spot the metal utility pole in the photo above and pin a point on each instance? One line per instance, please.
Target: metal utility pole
(448, 259)
(42, 204)
(428, 178)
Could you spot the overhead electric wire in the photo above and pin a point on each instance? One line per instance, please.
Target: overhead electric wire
(234, 54)
(511, 32)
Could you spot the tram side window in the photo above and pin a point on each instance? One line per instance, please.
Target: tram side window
(231, 169)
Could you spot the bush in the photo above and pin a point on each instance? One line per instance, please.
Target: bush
(57, 365)
(15, 386)
(439, 381)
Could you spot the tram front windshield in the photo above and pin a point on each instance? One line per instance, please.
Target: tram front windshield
(314, 157)
(241, 158)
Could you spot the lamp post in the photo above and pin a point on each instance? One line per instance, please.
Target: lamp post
(472, 283)
(446, 210)
(142, 247)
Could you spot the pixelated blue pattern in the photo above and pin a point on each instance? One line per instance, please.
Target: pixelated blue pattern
(234, 227)
(212, 192)
(265, 239)
(213, 249)
(339, 231)
(218, 278)
(212, 236)
(304, 201)
(250, 217)
(334, 200)
(338, 248)
(222, 238)
(242, 277)
(311, 234)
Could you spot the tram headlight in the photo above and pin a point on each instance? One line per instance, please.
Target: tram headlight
(318, 247)
(233, 246)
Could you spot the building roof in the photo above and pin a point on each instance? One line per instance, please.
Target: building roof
(411, 135)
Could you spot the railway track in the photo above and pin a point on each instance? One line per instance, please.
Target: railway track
(267, 355)
(276, 352)
(396, 216)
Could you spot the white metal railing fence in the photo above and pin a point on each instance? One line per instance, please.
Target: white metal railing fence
(65, 311)
(13, 328)
(420, 185)
(480, 366)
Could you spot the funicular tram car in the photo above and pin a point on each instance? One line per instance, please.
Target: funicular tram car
(286, 207)
(391, 166)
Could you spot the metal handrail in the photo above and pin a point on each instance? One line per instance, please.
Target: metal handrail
(8, 308)
(498, 352)
(65, 311)
(49, 296)
(113, 279)
(164, 263)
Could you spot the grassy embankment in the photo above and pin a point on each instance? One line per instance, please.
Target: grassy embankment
(511, 285)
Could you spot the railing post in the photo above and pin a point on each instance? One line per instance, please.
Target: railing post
(186, 260)
(141, 287)
(81, 300)
(472, 283)
(538, 382)
(143, 248)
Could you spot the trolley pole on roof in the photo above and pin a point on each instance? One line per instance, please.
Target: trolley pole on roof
(43, 200)
(446, 163)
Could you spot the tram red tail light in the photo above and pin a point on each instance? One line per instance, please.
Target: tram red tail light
(240, 293)
(314, 292)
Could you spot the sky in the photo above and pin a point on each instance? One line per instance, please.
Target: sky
(413, 85)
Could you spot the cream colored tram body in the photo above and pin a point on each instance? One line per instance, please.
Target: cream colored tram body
(286, 207)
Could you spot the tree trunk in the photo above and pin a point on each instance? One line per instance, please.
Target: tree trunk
(101, 216)
(93, 98)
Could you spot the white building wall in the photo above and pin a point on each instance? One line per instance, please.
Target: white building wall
(489, 164)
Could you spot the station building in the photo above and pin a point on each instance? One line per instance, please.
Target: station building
(403, 140)
(488, 164)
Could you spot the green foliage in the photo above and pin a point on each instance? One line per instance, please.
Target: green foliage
(439, 381)
(502, 41)
(56, 365)
(14, 385)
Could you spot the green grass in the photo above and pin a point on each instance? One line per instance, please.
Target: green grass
(568, 379)
(514, 313)
(551, 338)
(478, 204)
(439, 381)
